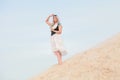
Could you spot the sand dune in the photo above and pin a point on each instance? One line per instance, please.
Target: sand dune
(101, 62)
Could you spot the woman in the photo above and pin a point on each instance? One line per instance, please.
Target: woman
(56, 41)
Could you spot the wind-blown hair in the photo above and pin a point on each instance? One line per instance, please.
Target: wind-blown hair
(57, 19)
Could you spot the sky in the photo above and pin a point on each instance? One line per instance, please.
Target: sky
(25, 48)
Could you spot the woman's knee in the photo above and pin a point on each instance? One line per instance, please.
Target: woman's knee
(57, 53)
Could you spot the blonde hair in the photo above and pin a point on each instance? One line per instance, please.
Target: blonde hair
(57, 18)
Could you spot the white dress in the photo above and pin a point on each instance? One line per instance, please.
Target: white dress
(57, 42)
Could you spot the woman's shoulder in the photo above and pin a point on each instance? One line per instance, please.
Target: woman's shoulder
(59, 24)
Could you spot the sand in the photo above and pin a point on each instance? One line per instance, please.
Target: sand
(101, 62)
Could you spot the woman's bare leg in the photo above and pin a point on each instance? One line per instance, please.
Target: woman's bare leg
(59, 57)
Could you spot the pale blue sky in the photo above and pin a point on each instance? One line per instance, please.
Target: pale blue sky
(25, 48)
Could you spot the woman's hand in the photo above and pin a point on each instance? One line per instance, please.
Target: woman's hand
(51, 15)
(51, 29)
(59, 31)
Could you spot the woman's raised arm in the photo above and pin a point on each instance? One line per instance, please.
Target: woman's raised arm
(47, 20)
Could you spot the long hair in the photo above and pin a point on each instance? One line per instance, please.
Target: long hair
(57, 18)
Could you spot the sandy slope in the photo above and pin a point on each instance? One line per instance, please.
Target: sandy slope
(99, 63)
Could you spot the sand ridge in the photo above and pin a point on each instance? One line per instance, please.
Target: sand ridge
(98, 63)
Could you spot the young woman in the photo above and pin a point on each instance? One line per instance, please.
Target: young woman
(56, 40)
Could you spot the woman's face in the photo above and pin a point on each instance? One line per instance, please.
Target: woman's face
(55, 19)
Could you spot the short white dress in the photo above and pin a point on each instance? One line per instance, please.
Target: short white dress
(56, 41)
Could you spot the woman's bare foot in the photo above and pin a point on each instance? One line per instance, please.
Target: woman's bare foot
(60, 63)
